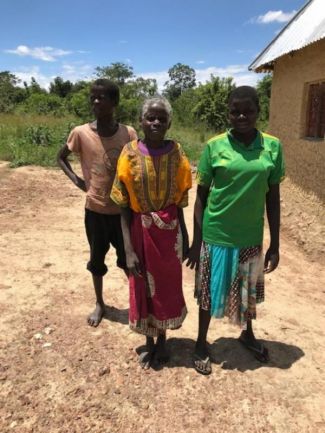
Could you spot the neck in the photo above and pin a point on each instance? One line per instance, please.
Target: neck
(105, 125)
(154, 144)
(246, 137)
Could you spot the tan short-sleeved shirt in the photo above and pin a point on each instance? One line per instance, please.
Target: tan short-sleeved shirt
(98, 159)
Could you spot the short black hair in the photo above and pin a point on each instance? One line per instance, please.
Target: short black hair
(245, 92)
(110, 88)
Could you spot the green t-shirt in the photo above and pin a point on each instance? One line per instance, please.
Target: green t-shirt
(238, 177)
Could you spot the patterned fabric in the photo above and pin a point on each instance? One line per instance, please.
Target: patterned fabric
(156, 298)
(230, 282)
(149, 182)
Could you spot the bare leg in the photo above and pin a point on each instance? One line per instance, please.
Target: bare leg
(249, 336)
(202, 362)
(248, 339)
(96, 316)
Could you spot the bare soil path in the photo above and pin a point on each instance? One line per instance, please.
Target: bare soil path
(59, 375)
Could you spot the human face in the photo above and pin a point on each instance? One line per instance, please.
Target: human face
(243, 115)
(155, 123)
(101, 104)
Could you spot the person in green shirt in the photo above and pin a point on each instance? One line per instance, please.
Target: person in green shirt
(238, 175)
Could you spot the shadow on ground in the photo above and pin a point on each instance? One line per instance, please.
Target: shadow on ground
(231, 355)
(114, 314)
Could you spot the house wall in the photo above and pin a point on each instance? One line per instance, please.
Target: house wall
(288, 108)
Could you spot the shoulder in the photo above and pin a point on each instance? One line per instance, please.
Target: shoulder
(271, 142)
(178, 147)
(129, 149)
(216, 144)
(178, 150)
(128, 130)
(218, 138)
(80, 130)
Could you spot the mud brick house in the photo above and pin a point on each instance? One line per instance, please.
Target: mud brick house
(296, 57)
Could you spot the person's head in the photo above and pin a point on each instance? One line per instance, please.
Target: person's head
(155, 118)
(244, 107)
(104, 97)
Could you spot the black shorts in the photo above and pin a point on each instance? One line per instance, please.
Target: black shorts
(102, 231)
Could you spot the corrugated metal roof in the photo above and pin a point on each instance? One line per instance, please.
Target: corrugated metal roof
(306, 27)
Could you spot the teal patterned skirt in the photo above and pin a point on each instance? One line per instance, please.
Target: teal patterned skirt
(230, 282)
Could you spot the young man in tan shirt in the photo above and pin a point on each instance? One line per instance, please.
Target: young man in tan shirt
(98, 145)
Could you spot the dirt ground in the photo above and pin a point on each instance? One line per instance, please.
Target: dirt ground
(59, 375)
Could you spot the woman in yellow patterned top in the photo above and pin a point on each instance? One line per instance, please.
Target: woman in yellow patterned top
(151, 186)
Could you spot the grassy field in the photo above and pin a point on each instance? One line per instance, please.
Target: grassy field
(27, 140)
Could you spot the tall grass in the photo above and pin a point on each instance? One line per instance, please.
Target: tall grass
(34, 139)
(31, 139)
(192, 139)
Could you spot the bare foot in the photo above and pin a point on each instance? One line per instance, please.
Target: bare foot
(96, 316)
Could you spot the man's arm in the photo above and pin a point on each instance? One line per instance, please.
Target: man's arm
(62, 160)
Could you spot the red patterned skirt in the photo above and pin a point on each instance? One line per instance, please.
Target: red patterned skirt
(156, 299)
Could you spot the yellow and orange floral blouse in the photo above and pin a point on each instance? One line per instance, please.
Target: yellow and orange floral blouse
(147, 181)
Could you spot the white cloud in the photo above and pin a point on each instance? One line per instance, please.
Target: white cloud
(76, 71)
(47, 54)
(200, 62)
(239, 73)
(72, 72)
(274, 16)
(27, 74)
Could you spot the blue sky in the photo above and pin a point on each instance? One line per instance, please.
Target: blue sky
(69, 38)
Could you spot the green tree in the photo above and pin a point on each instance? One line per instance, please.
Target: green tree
(117, 72)
(212, 107)
(132, 95)
(80, 85)
(183, 107)
(79, 103)
(34, 87)
(60, 87)
(10, 93)
(263, 89)
(43, 103)
(181, 78)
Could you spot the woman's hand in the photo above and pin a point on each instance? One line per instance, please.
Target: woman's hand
(133, 264)
(271, 260)
(193, 256)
